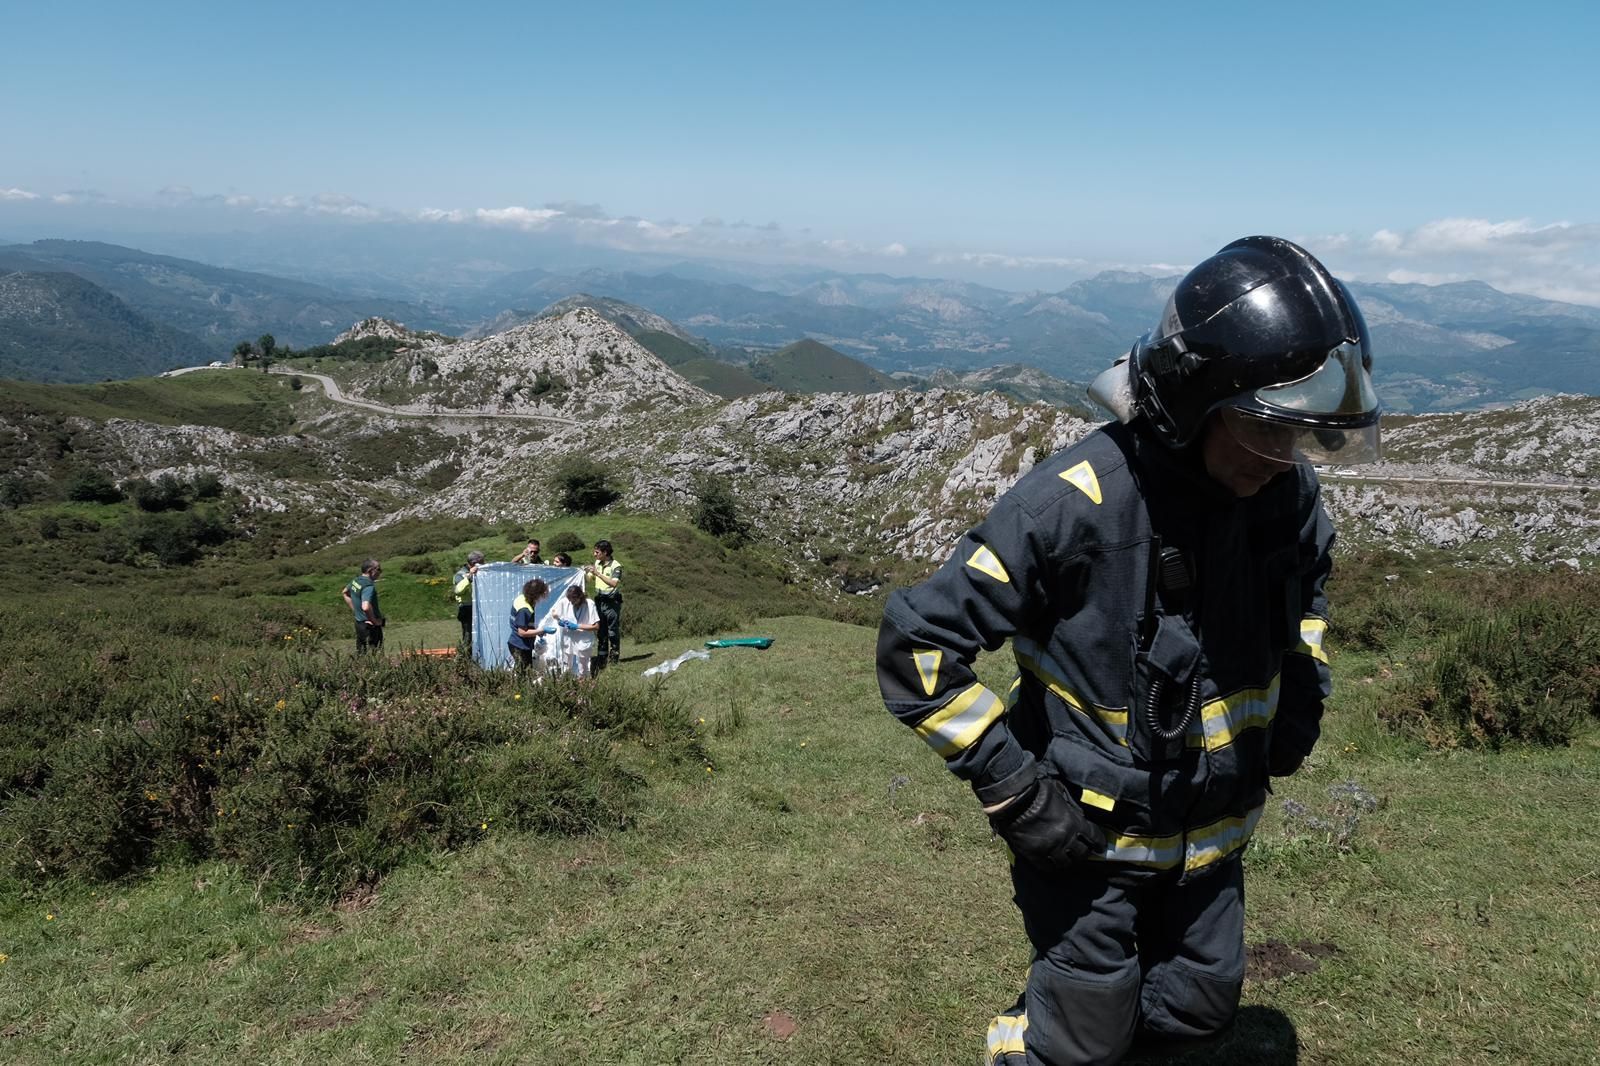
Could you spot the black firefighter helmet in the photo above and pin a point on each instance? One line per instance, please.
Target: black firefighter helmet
(1262, 332)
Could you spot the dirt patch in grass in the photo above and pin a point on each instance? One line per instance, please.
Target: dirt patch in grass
(780, 1025)
(346, 1010)
(1272, 959)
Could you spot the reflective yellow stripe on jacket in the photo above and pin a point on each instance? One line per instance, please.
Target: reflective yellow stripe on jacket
(956, 725)
(1031, 657)
(1196, 849)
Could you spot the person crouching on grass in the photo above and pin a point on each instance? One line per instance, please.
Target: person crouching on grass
(578, 622)
(526, 637)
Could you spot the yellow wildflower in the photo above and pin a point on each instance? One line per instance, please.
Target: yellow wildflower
(280, 705)
(483, 825)
(518, 696)
(49, 917)
(4, 958)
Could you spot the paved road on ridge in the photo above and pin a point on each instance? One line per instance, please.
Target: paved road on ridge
(331, 389)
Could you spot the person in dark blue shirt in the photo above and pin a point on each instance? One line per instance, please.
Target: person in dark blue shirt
(526, 638)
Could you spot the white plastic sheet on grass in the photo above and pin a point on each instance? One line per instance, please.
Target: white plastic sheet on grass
(662, 669)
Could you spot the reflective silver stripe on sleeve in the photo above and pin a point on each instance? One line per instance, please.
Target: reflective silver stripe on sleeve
(1252, 708)
(1312, 630)
(955, 726)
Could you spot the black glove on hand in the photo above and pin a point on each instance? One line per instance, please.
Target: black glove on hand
(1283, 760)
(1046, 827)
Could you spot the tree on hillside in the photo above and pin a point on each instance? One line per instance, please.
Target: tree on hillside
(267, 345)
(582, 486)
(93, 486)
(243, 352)
(717, 510)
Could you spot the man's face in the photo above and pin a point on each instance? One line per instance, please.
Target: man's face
(1232, 465)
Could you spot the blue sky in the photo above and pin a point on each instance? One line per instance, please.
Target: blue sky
(1431, 142)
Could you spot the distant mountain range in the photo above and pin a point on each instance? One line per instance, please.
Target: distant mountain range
(219, 307)
(1444, 347)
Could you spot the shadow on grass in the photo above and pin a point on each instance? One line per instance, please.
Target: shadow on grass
(1261, 1036)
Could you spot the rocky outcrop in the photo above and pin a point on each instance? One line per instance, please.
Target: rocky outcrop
(388, 330)
(575, 365)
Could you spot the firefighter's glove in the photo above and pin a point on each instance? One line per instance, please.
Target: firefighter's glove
(1288, 747)
(1284, 760)
(1046, 827)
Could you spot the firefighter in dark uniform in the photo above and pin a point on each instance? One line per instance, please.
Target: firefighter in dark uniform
(1161, 582)
(461, 590)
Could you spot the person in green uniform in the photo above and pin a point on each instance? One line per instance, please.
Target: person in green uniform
(606, 573)
(462, 588)
(361, 596)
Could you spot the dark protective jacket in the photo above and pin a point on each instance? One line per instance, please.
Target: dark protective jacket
(1065, 566)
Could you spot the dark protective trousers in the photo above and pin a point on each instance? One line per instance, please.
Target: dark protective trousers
(608, 642)
(1112, 962)
(368, 638)
(464, 616)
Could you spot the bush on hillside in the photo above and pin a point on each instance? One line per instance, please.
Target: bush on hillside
(165, 493)
(179, 538)
(583, 486)
(16, 491)
(564, 541)
(93, 486)
(716, 509)
(313, 773)
(1531, 674)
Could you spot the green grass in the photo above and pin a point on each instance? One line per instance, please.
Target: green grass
(787, 875)
(250, 403)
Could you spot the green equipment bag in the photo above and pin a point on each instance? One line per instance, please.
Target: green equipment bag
(741, 642)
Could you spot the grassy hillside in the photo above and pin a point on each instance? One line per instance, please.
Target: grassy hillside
(770, 903)
(229, 399)
(722, 379)
(810, 366)
(60, 327)
(674, 351)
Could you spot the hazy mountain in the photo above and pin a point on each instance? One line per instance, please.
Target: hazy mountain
(221, 307)
(1440, 347)
(60, 327)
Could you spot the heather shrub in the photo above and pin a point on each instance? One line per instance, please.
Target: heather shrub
(564, 541)
(209, 733)
(1531, 673)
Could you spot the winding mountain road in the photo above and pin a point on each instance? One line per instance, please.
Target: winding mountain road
(331, 389)
(1481, 483)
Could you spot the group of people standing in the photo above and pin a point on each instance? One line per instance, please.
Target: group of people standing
(586, 631)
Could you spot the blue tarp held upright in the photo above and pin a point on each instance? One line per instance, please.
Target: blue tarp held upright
(494, 589)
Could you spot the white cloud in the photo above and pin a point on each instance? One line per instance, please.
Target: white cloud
(524, 218)
(895, 250)
(1551, 260)
(18, 194)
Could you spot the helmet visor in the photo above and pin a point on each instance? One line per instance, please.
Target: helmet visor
(1297, 442)
(1341, 389)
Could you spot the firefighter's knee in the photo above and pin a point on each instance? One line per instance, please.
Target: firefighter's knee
(1183, 1001)
(1080, 1018)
